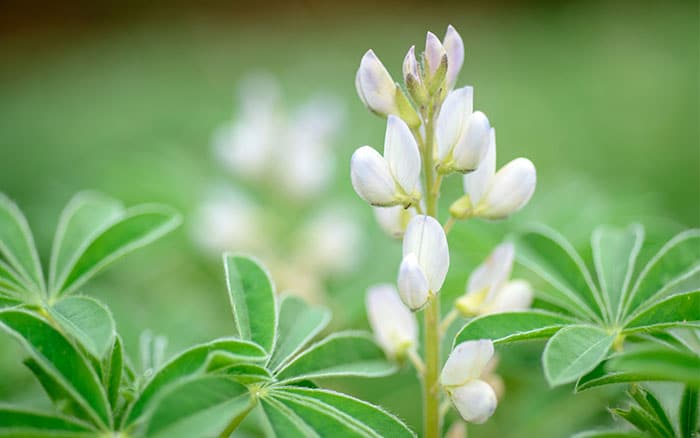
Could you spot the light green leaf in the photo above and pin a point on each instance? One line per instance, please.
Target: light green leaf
(187, 363)
(201, 406)
(330, 413)
(17, 245)
(59, 358)
(615, 252)
(138, 227)
(552, 257)
(677, 310)
(82, 220)
(246, 373)
(299, 323)
(19, 422)
(252, 297)
(8, 302)
(10, 281)
(113, 368)
(678, 258)
(283, 421)
(507, 327)
(688, 415)
(658, 364)
(574, 351)
(340, 354)
(610, 434)
(88, 321)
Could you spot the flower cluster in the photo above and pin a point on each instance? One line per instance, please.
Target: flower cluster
(292, 154)
(434, 131)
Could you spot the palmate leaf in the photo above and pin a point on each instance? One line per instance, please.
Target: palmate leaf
(340, 354)
(10, 281)
(304, 412)
(252, 298)
(17, 245)
(88, 321)
(60, 359)
(18, 422)
(187, 363)
(677, 310)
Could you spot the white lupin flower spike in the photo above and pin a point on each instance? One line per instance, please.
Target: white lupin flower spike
(426, 256)
(374, 84)
(474, 399)
(394, 326)
(454, 46)
(391, 179)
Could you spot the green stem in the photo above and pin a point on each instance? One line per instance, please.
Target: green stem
(233, 425)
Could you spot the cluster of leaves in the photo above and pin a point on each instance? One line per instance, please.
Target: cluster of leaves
(77, 356)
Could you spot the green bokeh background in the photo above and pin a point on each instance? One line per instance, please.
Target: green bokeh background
(601, 96)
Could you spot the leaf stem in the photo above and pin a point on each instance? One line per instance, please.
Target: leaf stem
(238, 419)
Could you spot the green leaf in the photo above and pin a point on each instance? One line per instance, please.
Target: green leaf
(17, 245)
(59, 357)
(298, 324)
(113, 368)
(138, 227)
(615, 252)
(82, 220)
(641, 419)
(677, 310)
(507, 327)
(688, 415)
(10, 281)
(246, 373)
(658, 364)
(188, 363)
(88, 321)
(252, 298)
(610, 434)
(552, 257)
(678, 258)
(283, 421)
(201, 406)
(340, 354)
(652, 406)
(329, 413)
(574, 351)
(19, 422)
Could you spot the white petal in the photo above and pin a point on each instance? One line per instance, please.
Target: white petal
(474, 143)
(375, 85)
(402, 155)
(466, 362)
(514, 296)
(426, 239)
(410, 64)
(476, 401)
(494, 272)
(394, 326)
(450, 123)
(413, 285)
(434, 51)
(511, 188)
(454, 46)
(371, 177)
(476, 183)
(394, 220)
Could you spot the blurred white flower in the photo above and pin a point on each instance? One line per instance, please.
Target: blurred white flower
(375, 86)
(393, 178)
(394, 220)
(474, 399)
(426, 259)
(394, 326)
(462, 136)
(488, 289)
(496, 195)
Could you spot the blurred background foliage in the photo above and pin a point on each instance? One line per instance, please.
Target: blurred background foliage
(124, 98)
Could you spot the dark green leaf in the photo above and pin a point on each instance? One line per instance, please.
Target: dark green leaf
(652, 406)
(246, 373)
(88, 321)
(138, 227)
(507, 327)
(340, 354)
(17, 245)
(688, 415)
(113, 368)
(676, 310)
(252, 299)
(574, 351)
(298, 324)
(60, 397)
(60, 359)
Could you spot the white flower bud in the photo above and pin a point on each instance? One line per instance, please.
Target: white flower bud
(413, 284)
(426, 239)
(371, 177)
(375, 86)
(476, 401)
(454, 46)
(514, 296)
(511, 188)
(394, 220)
(410, 65)
(450, 124)
(401, 152)
(466, 362)
(473, 144)
(394, 326)
(434, 51)
(462, 136)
